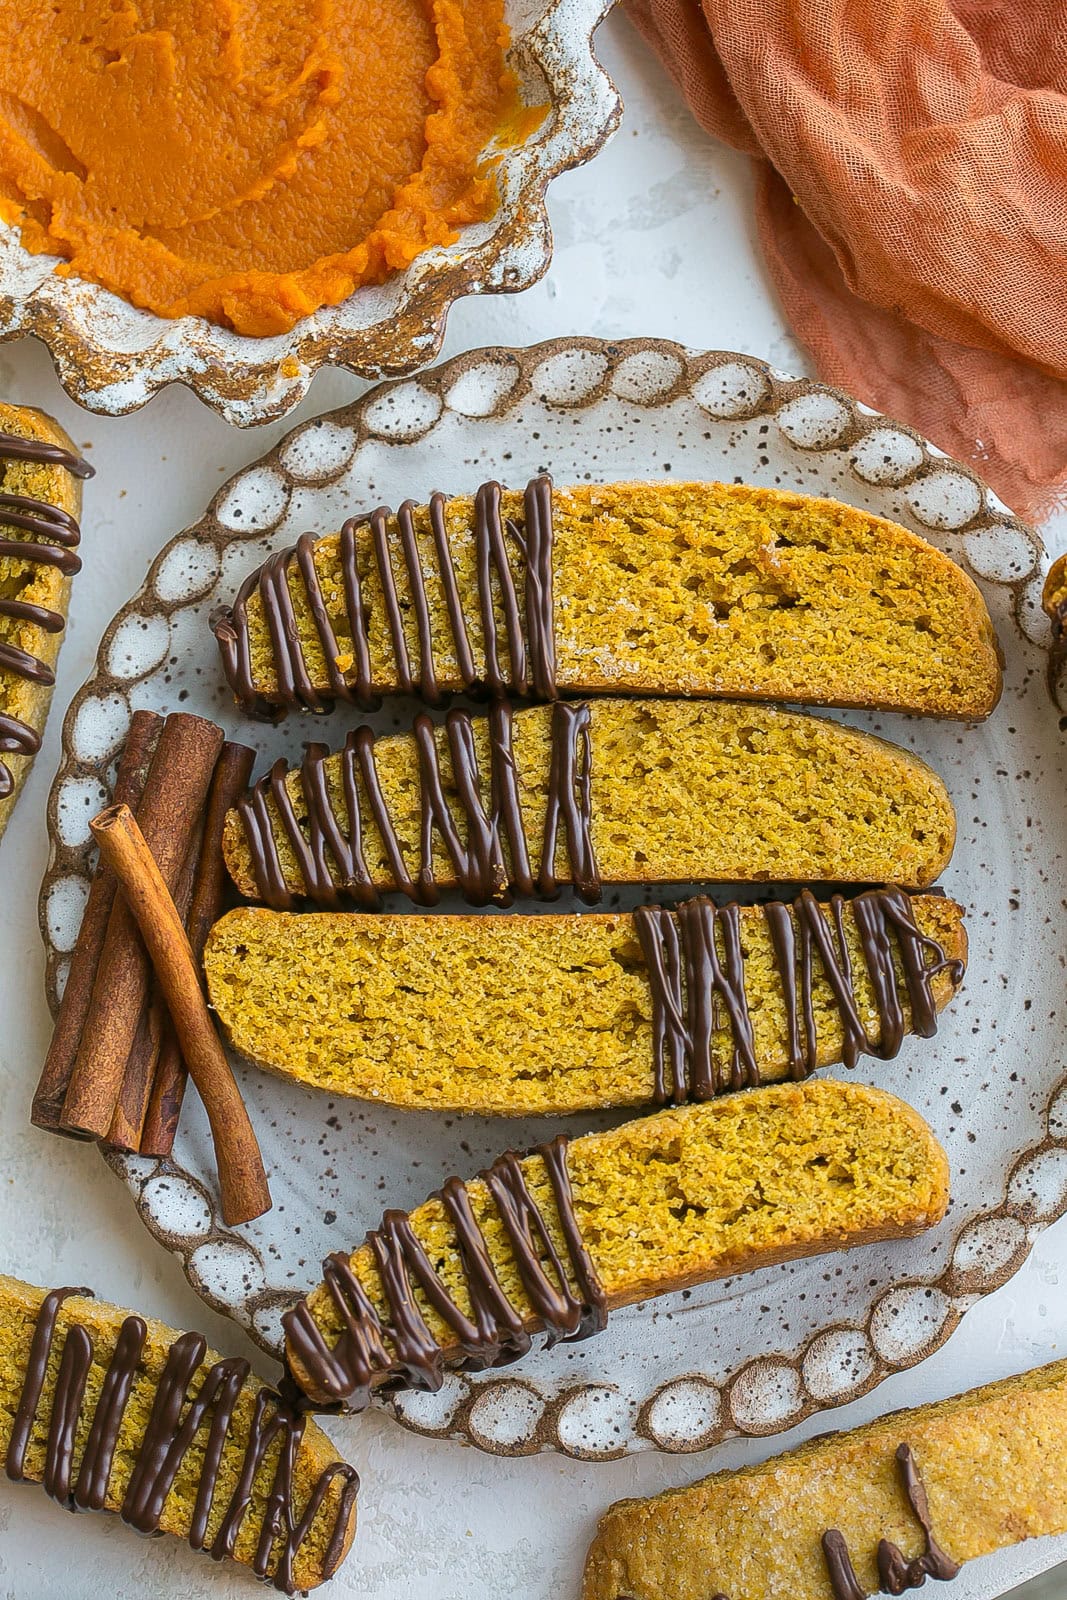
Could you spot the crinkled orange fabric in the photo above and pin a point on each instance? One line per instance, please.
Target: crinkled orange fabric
(912, 203)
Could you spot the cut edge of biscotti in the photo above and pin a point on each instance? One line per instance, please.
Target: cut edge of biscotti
(53, 484)
(307, 952)
(798, 1187)
(762, 581)
(835, 848)
(20, 1304)
(639, 1540)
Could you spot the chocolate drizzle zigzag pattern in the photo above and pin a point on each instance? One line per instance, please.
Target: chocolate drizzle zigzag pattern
(399, 1349)
(523, 626)
(55, 536)
(178, 1417)
(487, 845)
(696, 971)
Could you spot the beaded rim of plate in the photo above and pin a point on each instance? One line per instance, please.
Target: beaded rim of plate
(504, 1414)
(112, 357)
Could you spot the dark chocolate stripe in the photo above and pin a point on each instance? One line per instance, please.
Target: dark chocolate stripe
(180, 1412)
(99, 1454)
(13, 447)
(540, 608)
(25, 665)
(480, 828)
(55, 538)
(16, 737)
(33, 1382)
(74, 1367)
(398, 1348)
(26, 611)
(695, 967)
(522, 626)
(492, 555)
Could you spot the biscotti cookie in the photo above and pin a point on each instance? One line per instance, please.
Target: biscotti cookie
(524, 1015)
(40, 499)
(871, 1510)
(109, 1411)
(608, 792)
(557, 1238)
(1054, 596)
(643, 588)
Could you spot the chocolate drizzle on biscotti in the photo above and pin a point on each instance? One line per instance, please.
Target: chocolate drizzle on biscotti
(696, 972)
(398, 1348)
(486, 842)
(895, 1572)
(524, 627)
(179, 1415)
(54, 538)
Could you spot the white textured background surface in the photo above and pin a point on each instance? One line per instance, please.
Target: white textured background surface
(655, 238)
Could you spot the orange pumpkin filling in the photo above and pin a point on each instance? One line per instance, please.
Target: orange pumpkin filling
(247, 161)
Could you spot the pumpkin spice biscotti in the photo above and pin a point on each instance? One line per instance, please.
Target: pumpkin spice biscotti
(40, 497)
(109, 1411)
(872, 1510)
(525, 1015)
(1054, 597)
(704, 589)
(608, 792)
(555, 1239)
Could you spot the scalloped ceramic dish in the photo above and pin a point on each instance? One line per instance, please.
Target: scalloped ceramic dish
(759, 1353)
(112, 357)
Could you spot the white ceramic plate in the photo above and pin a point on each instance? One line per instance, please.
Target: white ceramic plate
(112, 357)
(756, 1354)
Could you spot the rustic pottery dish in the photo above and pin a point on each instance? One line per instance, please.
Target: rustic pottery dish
(755, 1355)
(112, 357)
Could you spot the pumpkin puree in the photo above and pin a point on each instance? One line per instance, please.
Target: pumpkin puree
(247, 160)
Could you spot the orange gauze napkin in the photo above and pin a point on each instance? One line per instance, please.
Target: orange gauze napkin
(912, 203)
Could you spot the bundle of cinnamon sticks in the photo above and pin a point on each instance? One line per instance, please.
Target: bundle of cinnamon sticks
(133, 1018)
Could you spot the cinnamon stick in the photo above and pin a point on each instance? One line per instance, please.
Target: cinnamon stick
(128, 1116)
(154, 1035)
(74, 1007)
(232, 774)
(171, 805)
(242, 1180)
(166, 1096)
